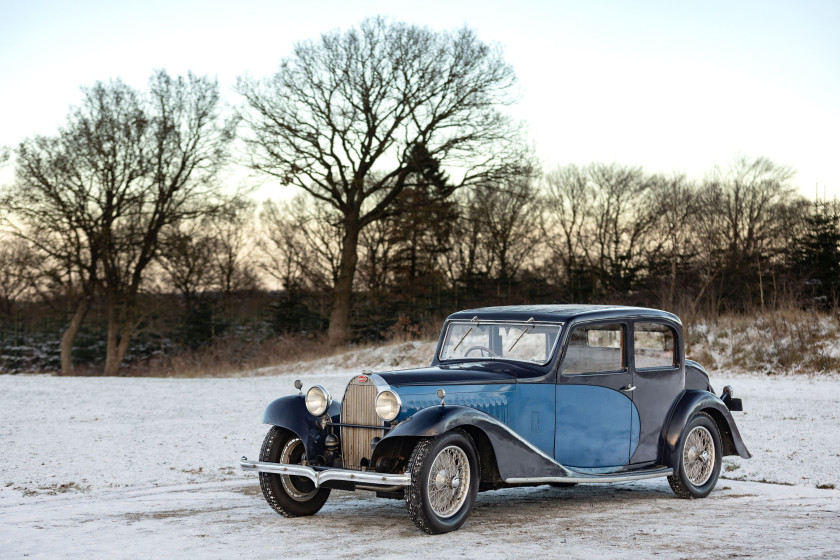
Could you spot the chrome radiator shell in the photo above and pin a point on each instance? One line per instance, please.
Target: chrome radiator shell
(358, 407)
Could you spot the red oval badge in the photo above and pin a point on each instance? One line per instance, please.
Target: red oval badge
(362, 378)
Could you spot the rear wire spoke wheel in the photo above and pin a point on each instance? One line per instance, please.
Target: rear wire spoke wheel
(290, 496)
(444, 482)
(698, 469)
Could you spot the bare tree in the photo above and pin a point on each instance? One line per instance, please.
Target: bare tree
(468, 262)
(569, 198)
(622, 217)
(186, 253)
(232, 233)
(302, 243)
(674, 202)
(390, 98)
(739, 225)
(19, 266)
(599, 222)
(126, 165)
(379, 249)
(511, 227)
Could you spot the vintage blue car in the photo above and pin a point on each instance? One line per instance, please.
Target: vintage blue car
(514, 396)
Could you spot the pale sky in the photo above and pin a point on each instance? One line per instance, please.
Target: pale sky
(670, 86)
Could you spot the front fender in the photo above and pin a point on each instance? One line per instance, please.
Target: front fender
(290, 413)
(690, 404)
(515, 457)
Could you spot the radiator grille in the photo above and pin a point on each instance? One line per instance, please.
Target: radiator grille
(357, 407)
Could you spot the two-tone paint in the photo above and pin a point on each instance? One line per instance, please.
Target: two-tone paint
(534, 423)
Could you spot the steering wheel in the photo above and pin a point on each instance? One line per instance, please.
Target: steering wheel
(483, 349)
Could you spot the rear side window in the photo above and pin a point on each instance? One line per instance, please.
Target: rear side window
(595, 349)
(654, 346)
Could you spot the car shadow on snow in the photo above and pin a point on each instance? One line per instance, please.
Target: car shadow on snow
(493, 507)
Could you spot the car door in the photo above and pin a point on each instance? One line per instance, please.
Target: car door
(595, 417)
(659, 379)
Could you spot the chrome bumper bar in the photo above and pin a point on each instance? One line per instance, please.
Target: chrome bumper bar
(322, 476)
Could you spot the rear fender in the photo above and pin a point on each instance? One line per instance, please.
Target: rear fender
(691, 403)
(512, 456)
(291, 413)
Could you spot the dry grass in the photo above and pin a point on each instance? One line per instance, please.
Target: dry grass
(231, 355)
(778, 342)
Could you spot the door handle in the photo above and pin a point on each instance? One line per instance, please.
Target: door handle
(628, 388)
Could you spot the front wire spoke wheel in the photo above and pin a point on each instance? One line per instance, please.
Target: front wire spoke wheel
(444, 481)
(448, 481)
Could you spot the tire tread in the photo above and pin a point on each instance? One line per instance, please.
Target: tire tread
(271, 485)
(414, 492)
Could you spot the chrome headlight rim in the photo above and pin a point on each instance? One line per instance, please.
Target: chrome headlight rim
(318, 400)
(388, 411)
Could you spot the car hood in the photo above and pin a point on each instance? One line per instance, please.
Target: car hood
(464, 373)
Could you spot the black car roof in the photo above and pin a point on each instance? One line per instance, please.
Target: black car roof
(560, 313)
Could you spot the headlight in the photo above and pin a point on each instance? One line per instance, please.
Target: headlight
(387, 405)
(318, 400)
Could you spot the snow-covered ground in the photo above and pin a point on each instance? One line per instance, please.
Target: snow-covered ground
(148, 468)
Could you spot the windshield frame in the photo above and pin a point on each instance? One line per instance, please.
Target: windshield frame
(518, 323)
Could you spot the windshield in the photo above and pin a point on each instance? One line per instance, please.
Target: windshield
(521, 341)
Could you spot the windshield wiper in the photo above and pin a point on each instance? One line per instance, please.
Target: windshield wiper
(533, 324)
(466, 334)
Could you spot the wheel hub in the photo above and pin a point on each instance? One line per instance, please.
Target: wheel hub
(442, 479)
(699, 456)
(449, 481)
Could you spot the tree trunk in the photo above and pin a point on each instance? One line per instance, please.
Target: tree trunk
(673, 284)
(120, 326)
(339, 329)
(69, 336)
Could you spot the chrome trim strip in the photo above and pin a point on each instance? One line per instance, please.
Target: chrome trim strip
(580, 478)
(366, 426)
(528, 322)
(319, 477)
(381, 384)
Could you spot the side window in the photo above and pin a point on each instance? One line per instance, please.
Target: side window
(654, 346)
(594, 349)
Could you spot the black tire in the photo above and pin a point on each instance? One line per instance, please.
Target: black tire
(695, 476)
(450, 501)
(290, 496)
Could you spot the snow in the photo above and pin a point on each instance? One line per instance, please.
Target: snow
(148, 468)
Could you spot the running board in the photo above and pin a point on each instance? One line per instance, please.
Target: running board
(582, 478)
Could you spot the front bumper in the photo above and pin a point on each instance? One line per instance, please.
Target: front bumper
(318, 477)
